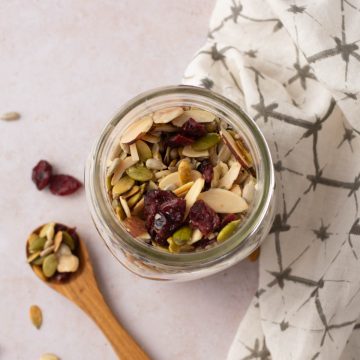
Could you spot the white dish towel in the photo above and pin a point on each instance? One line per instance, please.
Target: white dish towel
(295, 67)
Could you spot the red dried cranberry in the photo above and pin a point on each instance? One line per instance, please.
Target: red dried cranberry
(163, 213)
(179, 140)
(64, 184)
(204, 218)
(207, 171)
(201, 244)
(41, 174)
(227, 219)
(61, 277)
(193, 129)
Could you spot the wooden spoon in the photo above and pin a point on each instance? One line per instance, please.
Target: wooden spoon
(82, 289)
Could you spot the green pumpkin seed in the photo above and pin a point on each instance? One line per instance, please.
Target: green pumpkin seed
(120, 212)
(227, 230)
(140, 173)
(122, 186)
(68, 240)
(36, 243)
(182, 236)
(49, 265)
(134, 190)
(144, 150)
(134, 199)
(173, 247)
(38, 261)
(33, 257)
(206, 142)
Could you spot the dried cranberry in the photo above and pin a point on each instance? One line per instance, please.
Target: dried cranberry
(227, 219)
(201, 244)
(61, 277)
(41, 174)
(163, 213)
(179, 140)
(207, 171)
(193, 129)
(64, 184)
(204, 218)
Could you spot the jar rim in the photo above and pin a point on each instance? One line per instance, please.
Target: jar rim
(100, 206)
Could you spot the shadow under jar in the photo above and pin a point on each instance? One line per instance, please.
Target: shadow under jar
(152, 262)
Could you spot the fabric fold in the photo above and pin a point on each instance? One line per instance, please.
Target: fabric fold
(293, 66)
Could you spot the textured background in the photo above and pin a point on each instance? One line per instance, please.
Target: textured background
(67, 66)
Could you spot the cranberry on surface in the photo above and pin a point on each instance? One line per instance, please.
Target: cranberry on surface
(41, 174)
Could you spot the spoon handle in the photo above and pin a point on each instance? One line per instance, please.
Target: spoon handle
(123, 344)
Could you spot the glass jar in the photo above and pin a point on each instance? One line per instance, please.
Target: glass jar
(148, 261)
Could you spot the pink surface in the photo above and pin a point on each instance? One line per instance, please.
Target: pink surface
(67, 66)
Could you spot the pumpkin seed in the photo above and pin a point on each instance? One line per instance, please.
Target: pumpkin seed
(173, 247)
(38, 261)
(139, 173)
(122, 186)
(144, 150)
(139, 207)
(49, 265)
(184, 169)
(36, 316)
(49, 356)
(136, 129)
(134, 190)
(67, 263)
(227, 230)
(68, 240)
(33, 257)
(206, 142)
(48, 231)
(124, 164)
(120, 212)
(10, 116)
(36, 243)
(134, 199)
(182, 236)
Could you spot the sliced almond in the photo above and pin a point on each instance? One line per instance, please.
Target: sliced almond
(135, 226)
(164, 116)
(48, 231)
(134, 190)
(183, 189)
(224, 201)
(233, 147)
(184, 170)
(123, 165)
(228, 179)
(224, 153)
(48, 250)
(161, 174)
(125, 207)
(134, 153)
(155, 164)
(58, 240)
(248, 191)
(236, 189)
(190, 152)
(136, 129)
(115, 151)
(174, 179)
(201, 116)
(216, 176)
(150, 138)
(125, 148)
(193, 194)
(112, 167)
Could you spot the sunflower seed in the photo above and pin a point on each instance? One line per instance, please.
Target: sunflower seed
(10, 116)
(36, 316)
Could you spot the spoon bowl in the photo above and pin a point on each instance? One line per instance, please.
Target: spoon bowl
(81, 288)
